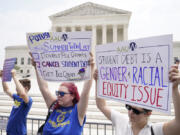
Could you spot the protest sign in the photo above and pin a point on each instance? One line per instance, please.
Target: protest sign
(7, 67)
(136, 72)
(61, 56)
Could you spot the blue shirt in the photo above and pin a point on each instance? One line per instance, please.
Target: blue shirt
(17, 120)
(64, 121)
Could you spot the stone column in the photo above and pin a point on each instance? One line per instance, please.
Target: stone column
(63, 29)
(93, 39)
(73, 29)
(53, 29)
(83, 28)
(104, 34)
(125, 32)
(114, 33)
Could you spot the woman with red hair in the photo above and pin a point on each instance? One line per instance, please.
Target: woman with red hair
(68, 115)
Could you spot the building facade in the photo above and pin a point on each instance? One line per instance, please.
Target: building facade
(106, 23)
(23, 60)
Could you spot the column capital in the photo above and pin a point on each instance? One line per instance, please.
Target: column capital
(104, 25)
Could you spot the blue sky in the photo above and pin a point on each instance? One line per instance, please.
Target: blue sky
(149, 17)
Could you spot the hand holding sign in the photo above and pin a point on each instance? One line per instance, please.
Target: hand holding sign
(91, 62)
(32, 60)
(136, 72)
(8, 66)
(95, 75)
(1, 72)
(174, 75)
(13, 72)
(61, 56)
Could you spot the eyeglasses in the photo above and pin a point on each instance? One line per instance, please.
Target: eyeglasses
(61, 93)
(135, 111)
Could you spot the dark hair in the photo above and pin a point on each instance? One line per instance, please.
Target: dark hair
(26, 83)
(72, 88)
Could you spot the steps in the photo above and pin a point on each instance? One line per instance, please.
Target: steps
(39, 111)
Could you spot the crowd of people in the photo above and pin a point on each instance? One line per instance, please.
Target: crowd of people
(68, 108)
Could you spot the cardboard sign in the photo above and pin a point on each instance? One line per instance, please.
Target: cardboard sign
(7, 67)
(61, 56)
(136, 72)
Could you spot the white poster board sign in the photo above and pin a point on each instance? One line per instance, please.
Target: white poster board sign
(136, 72)
(61, 56)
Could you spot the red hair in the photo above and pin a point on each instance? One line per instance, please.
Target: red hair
(72, 89)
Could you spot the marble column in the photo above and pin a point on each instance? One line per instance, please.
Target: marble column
(83, 28)
(104, 34)
(93, 39)
(125, 32)
(73, 29)
(114, 33)
(63, 29)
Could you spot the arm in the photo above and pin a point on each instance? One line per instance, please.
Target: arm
(5, 86)
(173, 127)
(83, 102)
(19, 88)
(101, 103)
(43, 86)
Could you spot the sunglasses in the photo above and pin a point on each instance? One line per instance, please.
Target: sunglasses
(61, 93)
(135, 111)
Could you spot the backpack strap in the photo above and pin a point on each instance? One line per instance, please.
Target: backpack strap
(50, 110)
(152, 131)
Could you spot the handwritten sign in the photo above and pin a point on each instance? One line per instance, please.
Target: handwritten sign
(136, 72)
(7, 67)
(61, 56)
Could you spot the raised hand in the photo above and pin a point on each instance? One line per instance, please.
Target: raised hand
(1, 73)
(91, 61)
(174, 75)
(95, 75)
(13, 72)
(32, 60)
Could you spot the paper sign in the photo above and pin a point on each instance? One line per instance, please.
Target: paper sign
(61, 56)
(136, 72)
(8, 66)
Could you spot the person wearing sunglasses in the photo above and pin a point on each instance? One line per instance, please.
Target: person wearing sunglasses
(69, 109)
(136, 111)
(137, 121)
